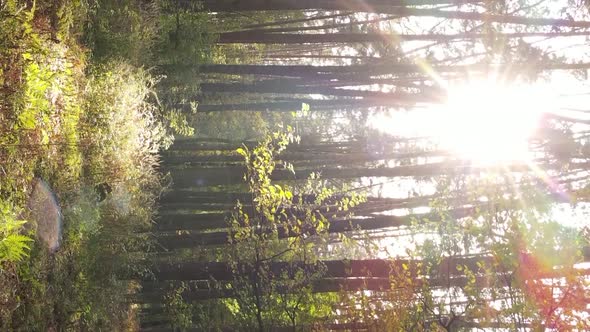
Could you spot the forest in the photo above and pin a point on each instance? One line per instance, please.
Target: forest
(294, 165)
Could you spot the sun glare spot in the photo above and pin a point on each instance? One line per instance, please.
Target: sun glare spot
(485, 121)
(490, 123)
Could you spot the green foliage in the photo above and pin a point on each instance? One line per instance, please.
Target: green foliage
(177, 309)
(75, 129)
(14, 245)
(69, 15)
(287, 224)
(122, 29)
(37, 83)
(516, 246)
(178, 123)
(184, 38)
(80, 281)
(237, 125)
(116, 96)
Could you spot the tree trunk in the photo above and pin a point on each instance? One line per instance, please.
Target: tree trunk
(333, 72)
(367, 268)
(195, 177)
(280, 5)
(204, 221)
(374, 268)
(393, 7)
(268, 37)
(193, 239)
(286, 87)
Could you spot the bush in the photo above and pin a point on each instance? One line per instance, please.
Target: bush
(119, 135)
(121, 130)
(82, 130)
(124, 29)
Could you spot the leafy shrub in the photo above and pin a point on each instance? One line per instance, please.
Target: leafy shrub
(77, 129)
(124, 29)
(177, 309)
(13, 244)
(183, 38)
(90, 296)
(121, 130)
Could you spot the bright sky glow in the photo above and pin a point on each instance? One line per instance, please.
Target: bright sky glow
(482, 121)
(490, 123)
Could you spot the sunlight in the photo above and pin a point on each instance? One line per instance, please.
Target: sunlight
(490, 123)
(486, 122)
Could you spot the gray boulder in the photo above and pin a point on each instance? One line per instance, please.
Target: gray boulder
(44, 215)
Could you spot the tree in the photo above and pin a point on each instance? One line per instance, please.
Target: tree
(471, 264)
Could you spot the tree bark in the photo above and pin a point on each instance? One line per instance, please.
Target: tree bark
(393, 7)
(374, 268)
(333, 72)
(204, 221)
(264, 37)
(286, 87)
(186, 178)
(189, 239)
(281, 5)
(367, 268)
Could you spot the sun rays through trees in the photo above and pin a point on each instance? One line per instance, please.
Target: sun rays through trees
(281, 165)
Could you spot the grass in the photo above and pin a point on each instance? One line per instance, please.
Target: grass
(87, 125)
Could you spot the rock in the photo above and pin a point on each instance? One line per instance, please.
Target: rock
(45, 214)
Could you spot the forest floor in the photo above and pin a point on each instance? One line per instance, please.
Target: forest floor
(64, 118)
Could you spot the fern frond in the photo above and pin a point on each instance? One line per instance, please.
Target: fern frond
(14, 248)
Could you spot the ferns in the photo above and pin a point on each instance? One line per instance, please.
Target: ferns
(13, 246)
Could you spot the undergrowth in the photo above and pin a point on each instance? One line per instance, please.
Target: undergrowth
(86, 121)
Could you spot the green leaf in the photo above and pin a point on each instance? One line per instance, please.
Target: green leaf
(27, 120)
(44, 137)
(304, 107)
(241, 152)
(288, 194)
